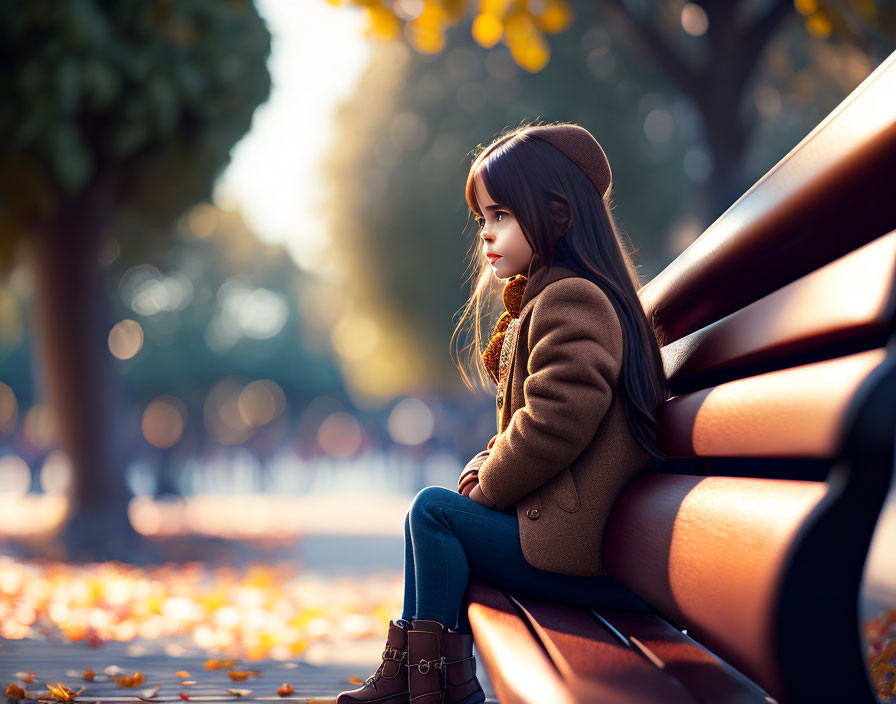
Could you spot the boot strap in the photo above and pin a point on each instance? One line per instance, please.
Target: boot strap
(424, 665)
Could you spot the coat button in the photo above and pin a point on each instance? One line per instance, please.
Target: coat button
(533, 513)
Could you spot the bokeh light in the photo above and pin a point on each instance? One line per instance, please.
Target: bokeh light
(694, 20)
(260, 402)
(164, 420)
(15, 476)
(126, 339)
(659, 125)
(222, 413)
(354, 336)
(9, 409)
(411, 422)
(203, 220)
(40, 426)
(245, 311)
(339, 435)
(56, 473)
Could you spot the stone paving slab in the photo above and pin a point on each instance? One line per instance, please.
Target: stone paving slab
(54, 661)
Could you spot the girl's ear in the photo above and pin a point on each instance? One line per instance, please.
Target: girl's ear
(560, 214)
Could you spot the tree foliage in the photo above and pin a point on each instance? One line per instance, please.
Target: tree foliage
(149, 92)
(522, 25)
(708, 51)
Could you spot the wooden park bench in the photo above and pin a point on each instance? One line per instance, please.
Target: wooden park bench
(749, 544)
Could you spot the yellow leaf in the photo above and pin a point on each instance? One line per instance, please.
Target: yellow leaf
(487, 30)
(527, 45)
(382, 24)
(428, 41)
(60, 691)
(818, 25)
(355, 679)
(498, 8)
(558, 15)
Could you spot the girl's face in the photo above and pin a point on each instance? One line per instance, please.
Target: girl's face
(501, 235)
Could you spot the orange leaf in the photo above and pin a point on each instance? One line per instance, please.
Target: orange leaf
(60, 691)
(219, 664)
(89, 674)
(355, 679)
(183, 696)
(285, 689)
(181, 673)
(13, 691)
(130, 680)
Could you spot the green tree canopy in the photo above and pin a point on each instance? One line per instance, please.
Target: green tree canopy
(130, 94)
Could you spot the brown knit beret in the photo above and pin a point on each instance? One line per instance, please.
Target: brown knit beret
(582, 148)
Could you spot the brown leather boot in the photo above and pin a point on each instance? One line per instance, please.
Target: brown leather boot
(441, 666)
(389, 684)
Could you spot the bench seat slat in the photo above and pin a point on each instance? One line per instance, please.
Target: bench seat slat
(851, 300)
(518, 666)
(597, 666)
(708, 677)
(796, 412)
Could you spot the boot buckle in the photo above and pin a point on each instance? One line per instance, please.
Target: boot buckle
(423, 667)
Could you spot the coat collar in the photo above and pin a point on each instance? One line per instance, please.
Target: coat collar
(539, 279)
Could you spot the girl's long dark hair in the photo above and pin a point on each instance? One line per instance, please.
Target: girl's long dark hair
(543, 188)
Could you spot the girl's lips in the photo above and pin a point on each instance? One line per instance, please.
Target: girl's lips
(493, 257)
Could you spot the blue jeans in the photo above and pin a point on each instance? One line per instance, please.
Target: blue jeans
(448, 537)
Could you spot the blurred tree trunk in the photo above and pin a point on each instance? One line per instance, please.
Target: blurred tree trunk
(73, 322)
(718, 86)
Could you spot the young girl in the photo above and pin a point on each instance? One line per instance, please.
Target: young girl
(579, 376)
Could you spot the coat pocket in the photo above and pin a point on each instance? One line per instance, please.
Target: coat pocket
(561, 490)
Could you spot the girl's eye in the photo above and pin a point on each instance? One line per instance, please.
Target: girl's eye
(499, 215)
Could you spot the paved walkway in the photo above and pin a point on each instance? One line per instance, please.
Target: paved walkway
(54, 661)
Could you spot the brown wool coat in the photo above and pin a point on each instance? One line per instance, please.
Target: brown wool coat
(564, 450)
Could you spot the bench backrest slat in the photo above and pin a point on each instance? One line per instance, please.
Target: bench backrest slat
(797, 412)
(709, 553)
(831, 194)
(778, 338)
(842, 307)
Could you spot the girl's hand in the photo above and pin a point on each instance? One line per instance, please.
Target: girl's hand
(477, 496)
(468, 487)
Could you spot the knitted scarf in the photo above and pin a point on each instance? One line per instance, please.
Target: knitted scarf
(512, 297)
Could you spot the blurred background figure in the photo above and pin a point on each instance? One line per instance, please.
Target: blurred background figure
(232, 238)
